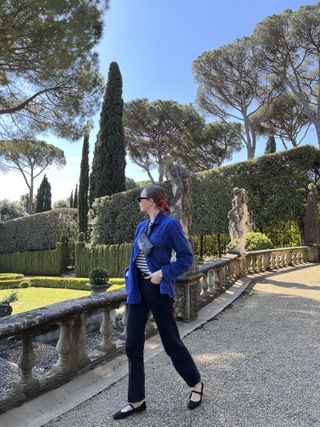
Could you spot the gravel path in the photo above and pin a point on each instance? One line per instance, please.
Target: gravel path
(260, 362)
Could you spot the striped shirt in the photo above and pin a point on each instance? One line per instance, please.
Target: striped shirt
(141, 261)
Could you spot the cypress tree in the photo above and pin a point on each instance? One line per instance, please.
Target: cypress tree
(84, 186)
(44, 196)
(71, 199)
(108, 168)
(270, 145)
(94, 172)
(75, 198)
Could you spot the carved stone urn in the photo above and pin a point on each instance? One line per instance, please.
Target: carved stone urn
(98, 281)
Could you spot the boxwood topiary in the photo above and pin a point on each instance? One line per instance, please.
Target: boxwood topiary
(99, 276)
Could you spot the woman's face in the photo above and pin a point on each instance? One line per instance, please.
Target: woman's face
(145, 203)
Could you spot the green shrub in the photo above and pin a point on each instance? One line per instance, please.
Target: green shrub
(99, 276)
(258, 241)
(12, 297)
(24, 284)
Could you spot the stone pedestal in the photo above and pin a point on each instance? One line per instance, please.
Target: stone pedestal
(98, 289)
(187, 296)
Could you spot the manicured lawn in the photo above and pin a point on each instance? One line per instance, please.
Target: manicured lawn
(31, 298)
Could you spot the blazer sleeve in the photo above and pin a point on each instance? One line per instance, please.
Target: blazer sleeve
(184, 255)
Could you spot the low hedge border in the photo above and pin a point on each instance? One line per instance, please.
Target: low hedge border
(58, 282)
(9, 284)
(10, 276)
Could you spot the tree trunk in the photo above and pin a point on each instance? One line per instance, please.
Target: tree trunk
(318, 133)
(161, 171)
(201, 245)
(149, 175)
(250, 152)
(30, 201)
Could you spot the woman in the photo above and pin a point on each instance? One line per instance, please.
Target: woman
(150, 286)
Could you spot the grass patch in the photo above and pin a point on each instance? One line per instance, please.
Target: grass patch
(31, 298)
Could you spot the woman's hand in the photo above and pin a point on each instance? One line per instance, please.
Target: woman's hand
(155, 277)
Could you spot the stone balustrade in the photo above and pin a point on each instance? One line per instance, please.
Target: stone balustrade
(273, 259)
(71, 317)
(193, 290)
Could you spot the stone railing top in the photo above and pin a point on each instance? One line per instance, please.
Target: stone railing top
(204, 268)
(54, 313)
(290, 248)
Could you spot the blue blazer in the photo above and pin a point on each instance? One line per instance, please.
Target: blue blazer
(166, 234)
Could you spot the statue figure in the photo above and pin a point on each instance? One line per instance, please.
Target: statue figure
(239, 222)
(311, 228)
(181, 207)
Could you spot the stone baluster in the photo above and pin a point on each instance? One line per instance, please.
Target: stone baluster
(211, 281)
(266, 261)
(262, 263)
(222, 281)
(203, 283)
(257, 264)
(82, 338)
(280, 260)
(123, 335)
(179, 303)
(26, 362)
(276, 261)
(216, 281)
(150, 325)
(285, 258)
(106, 345)
(228, 278)
(250, 264)
(63, 347)
(72, 344)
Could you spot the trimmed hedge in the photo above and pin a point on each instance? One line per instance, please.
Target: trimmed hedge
(9, 284)
(115, 258)
(277, 186)
(51, 262)
(39, 231)
(117, 216)
(56, 282)
(10, 276)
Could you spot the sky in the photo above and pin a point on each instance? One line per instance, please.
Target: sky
(155, 42)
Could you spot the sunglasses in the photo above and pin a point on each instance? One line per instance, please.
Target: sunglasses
(142, 198)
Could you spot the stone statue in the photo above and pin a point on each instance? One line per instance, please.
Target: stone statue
(239, 222)
(181, 207)
(311, 227)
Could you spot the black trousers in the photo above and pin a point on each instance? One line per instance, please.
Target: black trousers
(161, 306)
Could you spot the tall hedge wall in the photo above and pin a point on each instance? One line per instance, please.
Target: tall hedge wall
(115, 258)
(116, 217)
(38, 231)
(48, 262)
(277, 186)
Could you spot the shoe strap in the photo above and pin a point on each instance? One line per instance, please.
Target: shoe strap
(198, 392)
(131, 405)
